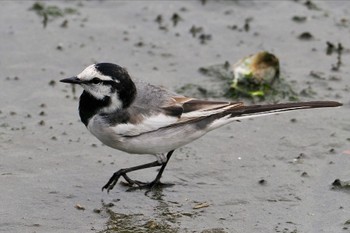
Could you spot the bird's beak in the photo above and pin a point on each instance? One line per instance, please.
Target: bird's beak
(72, 80)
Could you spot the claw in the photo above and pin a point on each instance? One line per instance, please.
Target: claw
(113, 180)
(141, 185)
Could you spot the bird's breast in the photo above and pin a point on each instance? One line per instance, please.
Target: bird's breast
(159, 141)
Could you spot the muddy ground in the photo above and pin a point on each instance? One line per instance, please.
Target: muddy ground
(271, 174)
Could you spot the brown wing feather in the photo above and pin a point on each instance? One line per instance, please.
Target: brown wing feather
(190, 104)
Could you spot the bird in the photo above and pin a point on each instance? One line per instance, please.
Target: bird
(137, 117)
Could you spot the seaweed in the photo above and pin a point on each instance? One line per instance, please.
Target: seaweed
(49, 13)
(256, 77)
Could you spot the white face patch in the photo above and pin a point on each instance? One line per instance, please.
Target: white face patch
(99, 91)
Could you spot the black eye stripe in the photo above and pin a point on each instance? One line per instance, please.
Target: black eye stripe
(104, 82)
(95, 80)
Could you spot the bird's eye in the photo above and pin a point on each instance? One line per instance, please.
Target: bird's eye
(95, 80)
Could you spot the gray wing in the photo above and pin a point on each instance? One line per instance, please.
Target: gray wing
(153, 100)
(153, 96)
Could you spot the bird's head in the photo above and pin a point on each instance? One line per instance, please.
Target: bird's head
(106, 80)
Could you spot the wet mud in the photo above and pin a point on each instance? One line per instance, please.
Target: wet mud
(272, 174)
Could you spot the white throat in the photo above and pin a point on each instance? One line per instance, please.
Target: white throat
(115, 104)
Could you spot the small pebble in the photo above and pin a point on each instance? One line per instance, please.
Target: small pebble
(159, 19)
(262, 181)
(175, 18)
(52, 83)
(79, 207)
(64, 24)
(299, 19)
(301, 156)
(304, 174)
(305, 36)
(139, 44)
(109, 205)
(97, 211)
(59, 47)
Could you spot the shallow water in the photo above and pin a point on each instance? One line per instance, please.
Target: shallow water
(249, 176)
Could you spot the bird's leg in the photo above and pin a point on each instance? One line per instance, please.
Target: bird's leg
(161, 170)
(122, 172)
(156, 181)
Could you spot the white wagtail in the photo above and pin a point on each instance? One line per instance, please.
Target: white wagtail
(140, 118)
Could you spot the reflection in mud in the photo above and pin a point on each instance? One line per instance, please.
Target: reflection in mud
(163, 219)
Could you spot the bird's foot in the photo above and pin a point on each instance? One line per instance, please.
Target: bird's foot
(129, 182)
(150, 186)
(132, 183)
(114, 179)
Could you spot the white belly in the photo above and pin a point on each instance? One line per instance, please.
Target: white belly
(155, 142)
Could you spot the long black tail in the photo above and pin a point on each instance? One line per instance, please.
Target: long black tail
(276, 108)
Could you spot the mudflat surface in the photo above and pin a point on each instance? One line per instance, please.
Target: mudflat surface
(271, 174)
